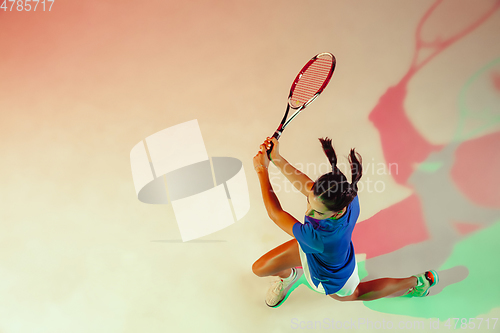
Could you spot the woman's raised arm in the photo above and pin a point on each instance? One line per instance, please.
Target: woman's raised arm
(298, 179)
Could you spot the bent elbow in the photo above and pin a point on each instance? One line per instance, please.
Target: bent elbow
(277, 215)
(273, 214)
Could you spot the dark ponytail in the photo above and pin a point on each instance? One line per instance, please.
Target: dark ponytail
(356, 168)
(333, 189)
(326, 143)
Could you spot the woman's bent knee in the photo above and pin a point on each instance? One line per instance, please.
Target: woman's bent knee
(258, 268)
(352, 297)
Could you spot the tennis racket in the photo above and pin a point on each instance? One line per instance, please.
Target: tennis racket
(309, 83)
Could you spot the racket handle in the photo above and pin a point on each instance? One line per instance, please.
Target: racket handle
(276, 135)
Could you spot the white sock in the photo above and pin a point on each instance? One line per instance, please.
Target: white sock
(291, 277)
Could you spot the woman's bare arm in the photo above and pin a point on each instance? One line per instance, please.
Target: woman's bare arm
(281, 218)
(298, 179)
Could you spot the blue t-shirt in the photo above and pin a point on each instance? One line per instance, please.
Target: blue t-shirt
(328, 247)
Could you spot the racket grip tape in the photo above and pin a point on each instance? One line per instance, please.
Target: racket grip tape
(276, 135)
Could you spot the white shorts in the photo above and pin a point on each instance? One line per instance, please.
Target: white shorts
(347, 289)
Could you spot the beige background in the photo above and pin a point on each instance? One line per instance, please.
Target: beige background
(82, 84)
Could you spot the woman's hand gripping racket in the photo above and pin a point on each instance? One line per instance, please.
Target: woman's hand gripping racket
(309, 83)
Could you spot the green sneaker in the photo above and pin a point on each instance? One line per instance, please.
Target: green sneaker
(425, 282)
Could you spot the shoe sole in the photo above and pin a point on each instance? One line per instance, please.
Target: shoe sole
(436, 278)
(273, 306)
(436, 281)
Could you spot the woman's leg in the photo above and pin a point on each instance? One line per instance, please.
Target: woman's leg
(278, 261)
(375, 289)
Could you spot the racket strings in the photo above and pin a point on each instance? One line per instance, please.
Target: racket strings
(312, 80)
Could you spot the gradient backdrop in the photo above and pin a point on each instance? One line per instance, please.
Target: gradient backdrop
(417, 85)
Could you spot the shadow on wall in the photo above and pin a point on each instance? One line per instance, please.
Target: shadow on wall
(449, 223)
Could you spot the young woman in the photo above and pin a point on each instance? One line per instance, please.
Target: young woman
(322, 244)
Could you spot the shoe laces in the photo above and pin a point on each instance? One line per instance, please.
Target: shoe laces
(278, 286)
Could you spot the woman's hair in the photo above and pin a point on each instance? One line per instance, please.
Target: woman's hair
(333, 189)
